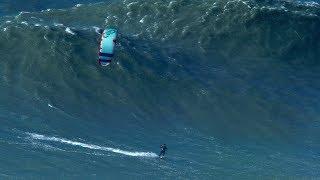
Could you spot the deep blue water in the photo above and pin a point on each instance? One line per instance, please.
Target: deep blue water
(232, 88)
(16, 6)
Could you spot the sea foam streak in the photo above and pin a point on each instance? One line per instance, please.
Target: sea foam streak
(91, 146)
(68, 30)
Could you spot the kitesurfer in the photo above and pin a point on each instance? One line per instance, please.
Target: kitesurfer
(163, 149)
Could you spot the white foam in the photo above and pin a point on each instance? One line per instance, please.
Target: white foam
(46, 10)
(96, 29)
(47, 147)
(143, 19)
(58, 24)
(22, 12)
(130, 4)
(91, 146)
(50, 105)
(68, 30)
(24, 22)
(311, 4)
(171, 4)
(78, 5)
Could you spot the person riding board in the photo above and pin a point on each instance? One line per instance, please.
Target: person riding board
(163, 149)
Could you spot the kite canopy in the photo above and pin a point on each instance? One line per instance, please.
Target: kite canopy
(107, 44)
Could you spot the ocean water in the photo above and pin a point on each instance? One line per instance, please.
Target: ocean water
(232, 88)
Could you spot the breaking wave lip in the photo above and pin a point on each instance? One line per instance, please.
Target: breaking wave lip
(69, 31)
(91, 146)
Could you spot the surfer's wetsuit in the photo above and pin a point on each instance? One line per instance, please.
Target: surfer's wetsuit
(163, 150)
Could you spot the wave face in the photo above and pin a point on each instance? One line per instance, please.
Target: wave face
(231, 28)
(231, 87)
(13, 6)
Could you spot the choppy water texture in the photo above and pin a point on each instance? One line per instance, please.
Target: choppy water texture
(232, 88)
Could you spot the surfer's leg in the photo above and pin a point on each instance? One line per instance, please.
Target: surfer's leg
(161, 153)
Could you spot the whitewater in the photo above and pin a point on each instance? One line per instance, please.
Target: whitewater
(91, 146)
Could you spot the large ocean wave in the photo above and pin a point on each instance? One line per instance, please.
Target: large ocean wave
(280, 29)
(231, 86)
(175, 56)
